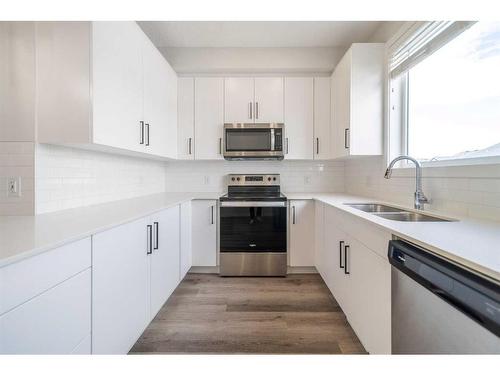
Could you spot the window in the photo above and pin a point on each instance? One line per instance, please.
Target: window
(452, 91)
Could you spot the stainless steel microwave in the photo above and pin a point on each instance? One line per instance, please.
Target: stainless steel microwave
(253, 141)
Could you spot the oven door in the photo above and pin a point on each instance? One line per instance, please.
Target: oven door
(253, 227)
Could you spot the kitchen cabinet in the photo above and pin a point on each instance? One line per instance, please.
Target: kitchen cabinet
(103, 85)
(186, 258)
(209, 118)
(319, 237)
(253, 100)
(185, 118)
(357, 101)
(165, 256)
(299, 118)
(204, 229)
(302, 247)
(322, 137)
(49, 309)
(120, 288)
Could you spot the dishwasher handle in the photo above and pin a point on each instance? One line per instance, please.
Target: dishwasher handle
(475, 296)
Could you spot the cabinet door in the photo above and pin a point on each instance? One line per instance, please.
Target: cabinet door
(341, 87)
(319, 237)
(204, 229)
(302, 233)
(120, 287)
(298, 118)
(269, 99)
(117, 84)
(186, 252)
(239, 99)
(209, 117)
(322, 104)
(54, 322)
(165, 257)
(370, 278)
(185, 118)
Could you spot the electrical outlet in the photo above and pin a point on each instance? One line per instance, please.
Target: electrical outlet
(206, 180)
(307, 180)
(14, 187)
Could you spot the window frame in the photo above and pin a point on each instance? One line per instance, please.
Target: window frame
(396, 121)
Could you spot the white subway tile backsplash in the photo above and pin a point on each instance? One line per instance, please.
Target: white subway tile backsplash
(472, 191)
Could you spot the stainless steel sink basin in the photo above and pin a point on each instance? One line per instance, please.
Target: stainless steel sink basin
(409, 216)
(373, 207)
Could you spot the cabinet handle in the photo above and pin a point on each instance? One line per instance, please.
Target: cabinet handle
(156, 235)
(150, 239)
(190, 140)
(212, 215)
(346, 138)
(147, 137)
(293, 214)
(257, 110)
(346, 270)
(250, 110)
(286, 144)
(142, 132)
(317, 145)
(341, 243)
(220, 146)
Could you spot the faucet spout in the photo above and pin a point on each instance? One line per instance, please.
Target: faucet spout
(420, 198)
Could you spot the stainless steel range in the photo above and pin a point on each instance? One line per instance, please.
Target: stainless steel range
(253, 227)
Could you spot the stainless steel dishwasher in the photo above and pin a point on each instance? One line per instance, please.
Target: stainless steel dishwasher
(439, 307)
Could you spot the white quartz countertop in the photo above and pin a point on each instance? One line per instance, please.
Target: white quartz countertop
(25, 236)
(474, 244)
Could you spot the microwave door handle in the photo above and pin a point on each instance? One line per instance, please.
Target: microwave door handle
(272, 140)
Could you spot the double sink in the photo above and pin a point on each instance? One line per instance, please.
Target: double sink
(394, 213)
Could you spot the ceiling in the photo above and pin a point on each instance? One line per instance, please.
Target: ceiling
(251, 34)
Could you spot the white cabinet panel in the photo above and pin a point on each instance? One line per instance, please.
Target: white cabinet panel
(186, 260)
(185, 118)
(268, 99)
(165, 257)
(302, 233)
(204, 230)
(54, 322)
(239, 99)
(37, 274)
(84, 347)
(117, 84)
(298, 118)
(209, 117)
(319, 237)
(322, 137)
(120, 288)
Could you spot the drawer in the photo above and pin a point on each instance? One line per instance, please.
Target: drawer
(55, 322)
(26, 279)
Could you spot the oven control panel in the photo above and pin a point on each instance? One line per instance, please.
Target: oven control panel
(253, 179)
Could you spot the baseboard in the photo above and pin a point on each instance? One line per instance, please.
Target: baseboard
(204, 269)
(311, 269)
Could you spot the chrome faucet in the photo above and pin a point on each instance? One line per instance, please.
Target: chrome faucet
(420, 198)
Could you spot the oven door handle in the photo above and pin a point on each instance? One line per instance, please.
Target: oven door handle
(252, 204)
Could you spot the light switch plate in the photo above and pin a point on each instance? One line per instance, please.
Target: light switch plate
(14, 187)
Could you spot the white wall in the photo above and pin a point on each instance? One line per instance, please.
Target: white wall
(252, 60)
(296, 176)
(17, 160)
(470, 191)
(68, 177)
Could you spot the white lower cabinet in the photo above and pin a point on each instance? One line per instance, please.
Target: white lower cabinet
(135, 270)
(360, 280)
(301, 233)
(204, 227)
(186, 260)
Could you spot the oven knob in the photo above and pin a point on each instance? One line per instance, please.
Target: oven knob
(232, 178)
(274, 178)
(269, 179)
(237, 178)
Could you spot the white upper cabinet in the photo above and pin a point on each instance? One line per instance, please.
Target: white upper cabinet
(209, 117)
(268, 99)
(239, 103)
(104, 85)
(185, 118)
(253, 100)
(357, 101)
(322, 137)
(298, 118)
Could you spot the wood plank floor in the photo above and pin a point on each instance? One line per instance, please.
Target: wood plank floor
(211, 314)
